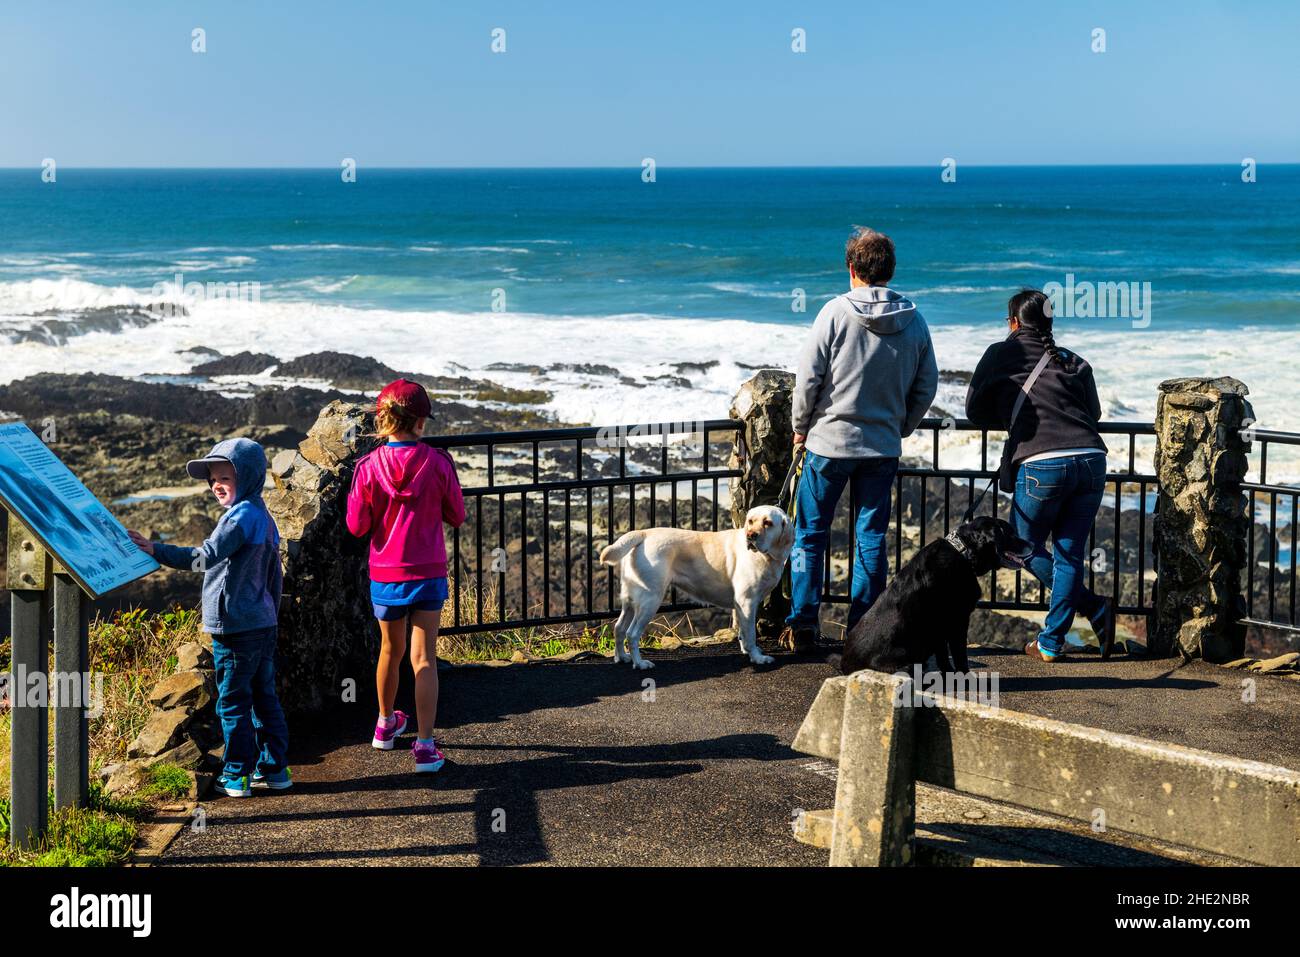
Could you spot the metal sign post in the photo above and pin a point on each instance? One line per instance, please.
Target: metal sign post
(71, 699)
(28, 573)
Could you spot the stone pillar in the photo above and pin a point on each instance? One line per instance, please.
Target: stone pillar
(327, 632)
(762, 450)
(1203, 518)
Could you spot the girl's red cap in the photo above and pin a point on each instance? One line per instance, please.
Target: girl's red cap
(409, 395)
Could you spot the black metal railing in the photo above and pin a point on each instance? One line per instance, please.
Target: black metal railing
(541, 504)
(521, 560)
(934, 497)
(1271, 566)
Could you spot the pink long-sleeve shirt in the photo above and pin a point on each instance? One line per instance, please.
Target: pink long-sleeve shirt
(400, 496)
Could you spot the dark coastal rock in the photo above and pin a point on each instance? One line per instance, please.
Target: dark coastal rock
(56, 327)
(365, 374)
(243, 363)
(56, 394)
(296, 406)
(358, 373)
(130, 449)
(196, 351)
(520, 367)
(585, 368)
(681, 368)
(676, 381)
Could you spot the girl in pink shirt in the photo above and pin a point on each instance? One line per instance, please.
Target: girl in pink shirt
(401, 494)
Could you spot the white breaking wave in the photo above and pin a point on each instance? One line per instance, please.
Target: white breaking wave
(1129, 363)
(35, 296)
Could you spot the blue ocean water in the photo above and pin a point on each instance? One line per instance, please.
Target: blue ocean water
(439, 270)
(697, 242)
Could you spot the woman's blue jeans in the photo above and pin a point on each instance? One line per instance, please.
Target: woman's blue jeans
(1060, 497)
(252, 721)
(820, 487)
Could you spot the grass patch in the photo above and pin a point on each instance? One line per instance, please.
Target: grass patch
(513, 396)
(133, 650)
(99, 835)
(166, 781)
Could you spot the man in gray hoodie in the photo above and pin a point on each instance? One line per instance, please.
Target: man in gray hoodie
(866, 378)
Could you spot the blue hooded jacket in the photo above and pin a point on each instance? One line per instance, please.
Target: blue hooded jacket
(240, 560)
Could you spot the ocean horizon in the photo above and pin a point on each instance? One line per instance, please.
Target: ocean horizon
(682, 285)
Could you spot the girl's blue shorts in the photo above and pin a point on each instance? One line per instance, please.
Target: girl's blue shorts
(394, 600)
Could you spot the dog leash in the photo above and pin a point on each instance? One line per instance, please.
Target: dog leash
(787, 502)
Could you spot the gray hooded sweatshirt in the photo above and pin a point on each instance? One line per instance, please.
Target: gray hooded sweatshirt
(866, 375)
(240, 560)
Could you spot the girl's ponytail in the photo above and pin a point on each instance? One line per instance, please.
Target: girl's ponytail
(391, 417)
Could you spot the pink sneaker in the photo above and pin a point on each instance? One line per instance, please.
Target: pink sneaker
(384, 737)
(427, 756)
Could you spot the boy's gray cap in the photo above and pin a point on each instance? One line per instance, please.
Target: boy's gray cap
(198, 468)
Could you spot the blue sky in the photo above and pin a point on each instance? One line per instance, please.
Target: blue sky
(702, 83)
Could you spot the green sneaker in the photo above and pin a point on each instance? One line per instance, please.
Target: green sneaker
(233, 787)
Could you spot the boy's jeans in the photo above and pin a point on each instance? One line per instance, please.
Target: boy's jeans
(820, 486)
(1060, 497)
(252, 722)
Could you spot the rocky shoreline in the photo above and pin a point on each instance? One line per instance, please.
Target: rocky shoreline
(128, 440)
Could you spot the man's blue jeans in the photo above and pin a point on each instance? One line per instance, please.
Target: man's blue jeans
(820, 487)
(1060, 497)
(252, 722)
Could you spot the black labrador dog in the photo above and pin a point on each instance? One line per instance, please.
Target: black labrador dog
(926, 608)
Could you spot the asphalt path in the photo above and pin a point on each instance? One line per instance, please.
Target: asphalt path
(583, 763)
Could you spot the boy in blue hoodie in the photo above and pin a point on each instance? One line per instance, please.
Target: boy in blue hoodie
(242, 582)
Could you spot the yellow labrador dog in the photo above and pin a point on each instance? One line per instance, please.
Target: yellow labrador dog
(732, 569)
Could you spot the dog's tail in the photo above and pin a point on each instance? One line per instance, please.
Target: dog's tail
(613, 554)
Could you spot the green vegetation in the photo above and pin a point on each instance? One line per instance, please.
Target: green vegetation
(513, 396)
(533, 642)
(99, 835)
(167, 781)
(133, 650)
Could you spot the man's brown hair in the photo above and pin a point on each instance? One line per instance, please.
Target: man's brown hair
(870, 255)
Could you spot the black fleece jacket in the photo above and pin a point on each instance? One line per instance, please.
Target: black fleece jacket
(1061, 411)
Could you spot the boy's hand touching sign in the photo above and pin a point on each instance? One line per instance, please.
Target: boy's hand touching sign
(143, 543)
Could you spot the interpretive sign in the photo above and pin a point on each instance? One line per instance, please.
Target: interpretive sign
(69, 522)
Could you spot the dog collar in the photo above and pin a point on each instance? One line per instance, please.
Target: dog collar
(962, 548)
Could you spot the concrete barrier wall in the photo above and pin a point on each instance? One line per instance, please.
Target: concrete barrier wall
(1242, 809)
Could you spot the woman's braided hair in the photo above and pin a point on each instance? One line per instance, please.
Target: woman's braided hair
(1033, 310)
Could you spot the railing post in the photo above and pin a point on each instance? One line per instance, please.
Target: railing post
(1202, 518)
(762, 450)
(69, 692)
(27, 577)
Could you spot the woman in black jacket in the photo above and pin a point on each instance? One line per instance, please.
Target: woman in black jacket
(1054, 460)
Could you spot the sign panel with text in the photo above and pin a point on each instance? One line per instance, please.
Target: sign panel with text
(70, 523)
